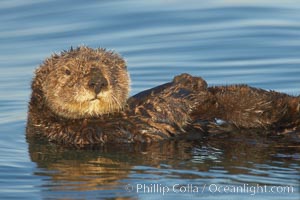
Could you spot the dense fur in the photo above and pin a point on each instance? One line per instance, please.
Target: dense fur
(80, 97)
(153, 115)
(62, 81)
(248, 107)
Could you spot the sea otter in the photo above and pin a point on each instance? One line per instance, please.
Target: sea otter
(80, 97)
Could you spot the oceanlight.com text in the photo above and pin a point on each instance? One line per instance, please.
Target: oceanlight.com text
(154, 188)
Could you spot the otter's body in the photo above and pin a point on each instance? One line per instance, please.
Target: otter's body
(80, 97)
(154, 115)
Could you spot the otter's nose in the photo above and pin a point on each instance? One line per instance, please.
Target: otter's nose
(98, 85)
(97, 82)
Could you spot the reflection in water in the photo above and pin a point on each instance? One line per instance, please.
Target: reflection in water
(103, 165)
(232, 158)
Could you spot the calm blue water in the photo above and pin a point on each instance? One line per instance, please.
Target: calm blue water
(256, 42)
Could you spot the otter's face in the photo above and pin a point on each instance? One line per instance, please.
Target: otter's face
(84, 83)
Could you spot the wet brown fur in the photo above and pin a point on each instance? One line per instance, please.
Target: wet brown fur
(248, 107)
(61, 83)
(167, 111)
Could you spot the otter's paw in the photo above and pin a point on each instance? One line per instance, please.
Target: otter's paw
(196, 83)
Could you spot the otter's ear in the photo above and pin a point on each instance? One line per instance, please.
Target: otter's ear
(41, 71)
(44, 69)
(124, 66)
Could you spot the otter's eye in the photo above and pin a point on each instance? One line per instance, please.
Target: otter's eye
(67, 72)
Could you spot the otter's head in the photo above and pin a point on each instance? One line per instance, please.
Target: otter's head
(83, 83)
